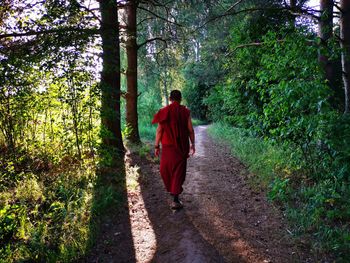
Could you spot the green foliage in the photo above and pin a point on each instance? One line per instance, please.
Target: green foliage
(48, 216)
(51, 215)
(149, 104)
(321, 215)
(281, 83)
(49, 136)
(194, 91)
(338, 147)
(293, 141)
(270, 99)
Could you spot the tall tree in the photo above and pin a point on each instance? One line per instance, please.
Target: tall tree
(152, 11)
(345, 46)
(110, 76)
(293, 7)
(131, 72)
(325, 33)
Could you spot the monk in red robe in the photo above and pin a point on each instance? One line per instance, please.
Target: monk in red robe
(174, 132)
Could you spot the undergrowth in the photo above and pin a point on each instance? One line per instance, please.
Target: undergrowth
(147, 131)
(317, 209)
(49, 211)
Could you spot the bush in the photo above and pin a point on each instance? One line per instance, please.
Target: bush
(45, 216)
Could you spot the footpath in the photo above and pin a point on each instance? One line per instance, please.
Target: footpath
(223, 220)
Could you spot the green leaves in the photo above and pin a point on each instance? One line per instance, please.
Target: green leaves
(275, 88)
(9, 222)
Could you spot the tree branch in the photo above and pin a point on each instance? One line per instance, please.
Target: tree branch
(233, 6)
(254, 44)
(144, 20)
(158, 16)
(155, 3)
(231, 12)
(248, 45)
(50, 31)
(91, 11)
(338, 7)
(151, 40)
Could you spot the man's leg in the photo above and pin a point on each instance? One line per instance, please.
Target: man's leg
(176, 198)
(176, 202)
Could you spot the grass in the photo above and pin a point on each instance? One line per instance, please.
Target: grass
(48, 215)
(52, 215)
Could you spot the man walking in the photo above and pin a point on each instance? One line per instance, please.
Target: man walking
(174, 132)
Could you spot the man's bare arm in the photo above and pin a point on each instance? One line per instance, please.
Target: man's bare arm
(159, 134)
(190, 130)
(191, 135)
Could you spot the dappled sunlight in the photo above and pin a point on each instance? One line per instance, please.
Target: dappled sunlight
(143, 234)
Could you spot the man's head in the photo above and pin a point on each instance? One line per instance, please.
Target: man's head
(175, 95)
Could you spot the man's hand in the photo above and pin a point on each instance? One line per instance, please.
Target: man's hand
(192, 149)
(156, 151)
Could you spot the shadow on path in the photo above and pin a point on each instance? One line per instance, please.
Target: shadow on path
(176, 239)
(113, 241)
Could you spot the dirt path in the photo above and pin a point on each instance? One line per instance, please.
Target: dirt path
(224, 220)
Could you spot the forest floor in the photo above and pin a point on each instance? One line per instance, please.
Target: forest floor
(224, 218)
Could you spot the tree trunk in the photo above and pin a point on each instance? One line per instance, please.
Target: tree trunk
(293, 6)
(345, 46)
(325, 32)
(110, 79)
(131, 73)
(166, 94)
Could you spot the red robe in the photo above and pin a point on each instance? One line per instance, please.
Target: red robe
(175, 145)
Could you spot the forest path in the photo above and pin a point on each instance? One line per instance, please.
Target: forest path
(223, 220)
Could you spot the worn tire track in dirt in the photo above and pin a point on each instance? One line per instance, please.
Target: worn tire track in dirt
(223, 220)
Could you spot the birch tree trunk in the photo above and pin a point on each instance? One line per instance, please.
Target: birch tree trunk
(345, 46)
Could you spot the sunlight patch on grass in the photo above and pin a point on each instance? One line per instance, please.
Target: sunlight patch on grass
(46, 217)
(132, 177)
